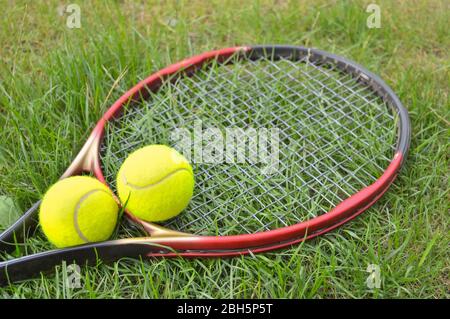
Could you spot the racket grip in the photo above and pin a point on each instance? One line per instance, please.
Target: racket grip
(31, 266)
(17, 231)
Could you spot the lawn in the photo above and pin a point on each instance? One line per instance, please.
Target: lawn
(56, 81)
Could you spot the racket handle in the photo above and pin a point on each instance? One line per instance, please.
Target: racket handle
(17, 231)
(30, 266)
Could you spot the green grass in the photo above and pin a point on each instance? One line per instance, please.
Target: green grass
(55, 82)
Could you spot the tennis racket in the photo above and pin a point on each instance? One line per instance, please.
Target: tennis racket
(338, 138)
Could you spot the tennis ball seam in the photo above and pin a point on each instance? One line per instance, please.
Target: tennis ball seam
(134, 186)
(77, 208)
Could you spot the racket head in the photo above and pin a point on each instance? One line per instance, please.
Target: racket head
(348, 205)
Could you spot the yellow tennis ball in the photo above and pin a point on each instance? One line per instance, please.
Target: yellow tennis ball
(78, 210)
(156, 183)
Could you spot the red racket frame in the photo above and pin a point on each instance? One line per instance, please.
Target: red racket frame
(348, 209)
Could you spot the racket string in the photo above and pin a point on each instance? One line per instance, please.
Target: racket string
(343, 85)
(332, 132)
(313, 106)
(244, 172)
(312, 116)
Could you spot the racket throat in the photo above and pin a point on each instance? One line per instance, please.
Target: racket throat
(87, 159)
(154, 230)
